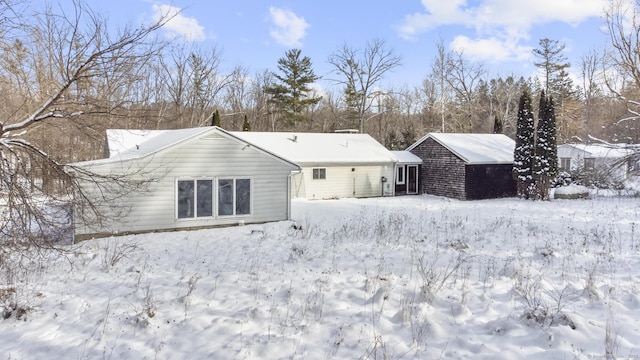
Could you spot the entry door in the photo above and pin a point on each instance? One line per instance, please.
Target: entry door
(412, 179)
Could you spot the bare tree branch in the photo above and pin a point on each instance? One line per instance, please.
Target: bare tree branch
(362, 70)
(58, 71)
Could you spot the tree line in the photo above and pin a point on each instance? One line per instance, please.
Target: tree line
(66, 77)
(183, 85)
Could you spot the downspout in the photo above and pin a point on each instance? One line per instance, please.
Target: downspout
(291, 174)
(393, 178)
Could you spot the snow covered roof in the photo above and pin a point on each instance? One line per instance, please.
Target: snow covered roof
(406, 157)
(129, 144)
(601, 150)
(320, 148)
(475, 148)
(126, 144)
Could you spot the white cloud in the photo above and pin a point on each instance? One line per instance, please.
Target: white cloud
(499, 25)
(289, 29)
(493, 49)
(180, 25)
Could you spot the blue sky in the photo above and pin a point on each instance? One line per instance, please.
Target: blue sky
(255, 33)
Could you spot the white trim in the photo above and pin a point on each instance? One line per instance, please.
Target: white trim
(234, 178)
(214, 197)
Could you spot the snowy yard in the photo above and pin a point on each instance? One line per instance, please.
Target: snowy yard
(415, 277)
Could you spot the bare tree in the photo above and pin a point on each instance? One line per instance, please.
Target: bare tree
(263, 114)
(590, 74)
(360, 70)
(440, 72)
(62, 75)
(194, 83)
(463, 78)
(623, 24)
(236, 97)
(428, 95)
(505, 94)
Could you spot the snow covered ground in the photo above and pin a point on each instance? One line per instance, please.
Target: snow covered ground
(414, 277)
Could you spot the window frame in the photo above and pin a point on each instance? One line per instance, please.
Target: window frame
(190, 200)
(319, 174)
(234, 196)
(400, 175)
(191, 214)
(565, 163)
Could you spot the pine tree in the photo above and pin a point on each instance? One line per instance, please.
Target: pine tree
(546, 153)
(245, 124)
(497, 125)
(291, 96)
(352, 100)
(215, 118)
(540, 160)
(554, 63)
(553, 138)
(523, 153)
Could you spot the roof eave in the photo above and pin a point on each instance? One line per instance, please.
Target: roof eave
(490, 163)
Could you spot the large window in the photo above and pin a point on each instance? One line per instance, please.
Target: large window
(196, 198)
(204, 205)
(319, 174)
(565, 164)
(234, 197)
(185, 199)
(243, 196)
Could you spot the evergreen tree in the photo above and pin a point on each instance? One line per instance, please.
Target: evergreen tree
(352, 100)
(553, 63)
(497, 125)
(523, 153)
(245, 124)
(408, 137)
(215, 118)
(540, 160)
(558, 84)
(391, 141)
(546, 153)
(553, 138)
(291, 96)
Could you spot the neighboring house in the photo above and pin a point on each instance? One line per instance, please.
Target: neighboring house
(612, 161)
(334, 165)
(466, 166)
(407, 173)
(181, 179)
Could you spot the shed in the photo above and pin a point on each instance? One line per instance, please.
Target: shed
(466, 166)
(157, 180)
(334, 165)
(614, 161)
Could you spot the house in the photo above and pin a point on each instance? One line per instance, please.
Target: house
(611, 161)
(466, 166)
(334, 165)
(180, 179)
(407, 171)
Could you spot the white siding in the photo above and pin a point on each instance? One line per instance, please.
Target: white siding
(618, 169)
(216, 156)
(344, 182)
